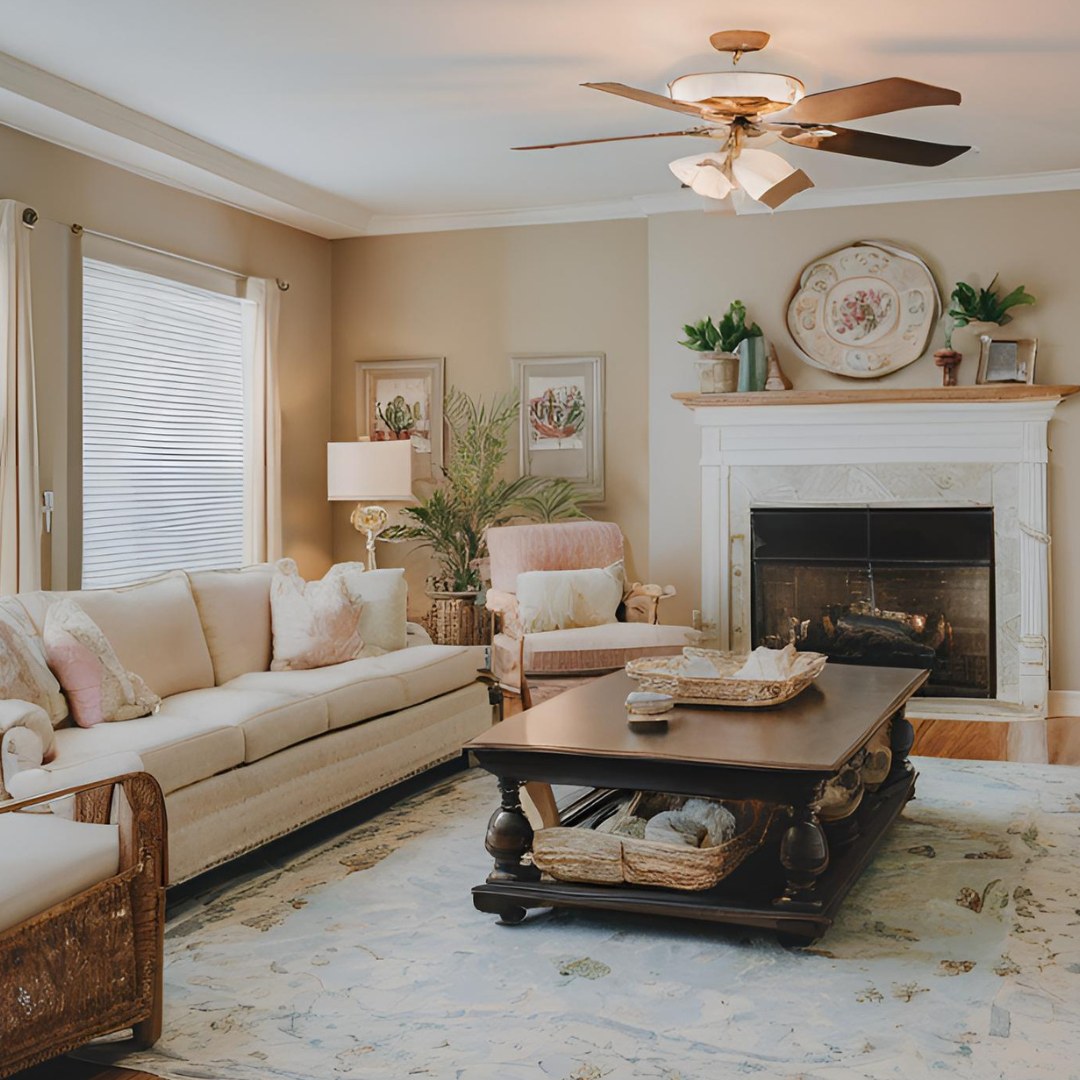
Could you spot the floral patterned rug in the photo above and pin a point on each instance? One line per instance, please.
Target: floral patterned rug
(957, 955)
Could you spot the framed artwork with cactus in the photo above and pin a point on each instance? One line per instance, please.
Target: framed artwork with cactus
(561, 422)
(403, 399)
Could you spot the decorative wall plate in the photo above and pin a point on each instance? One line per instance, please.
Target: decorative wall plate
(865, 310)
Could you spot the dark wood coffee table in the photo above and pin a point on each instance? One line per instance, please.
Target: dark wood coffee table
(788, 755)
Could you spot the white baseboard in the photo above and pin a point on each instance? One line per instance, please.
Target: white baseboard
(1064, 703)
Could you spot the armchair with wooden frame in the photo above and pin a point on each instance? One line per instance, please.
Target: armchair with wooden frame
(517, 657)
(84, 957)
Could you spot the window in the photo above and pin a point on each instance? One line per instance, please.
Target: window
(163, 426)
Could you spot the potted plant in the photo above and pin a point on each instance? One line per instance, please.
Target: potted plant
(718, 368)
(471, 496)
(986, 309)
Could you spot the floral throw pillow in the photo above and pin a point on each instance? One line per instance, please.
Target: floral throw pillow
(315, 623)
(24, 669)
(98, 688)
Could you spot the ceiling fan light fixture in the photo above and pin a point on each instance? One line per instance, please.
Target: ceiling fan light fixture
(704, 174)
(767, 178)
(738, 93)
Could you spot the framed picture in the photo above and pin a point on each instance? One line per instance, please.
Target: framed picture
(562, 418)
(403, 399)
(1006, 360)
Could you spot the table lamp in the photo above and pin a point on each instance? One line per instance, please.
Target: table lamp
(365, 471)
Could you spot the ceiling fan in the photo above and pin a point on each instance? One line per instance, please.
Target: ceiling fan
(746, 110)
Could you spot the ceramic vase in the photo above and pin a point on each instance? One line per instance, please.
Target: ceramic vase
(753, 364)
(718, 372)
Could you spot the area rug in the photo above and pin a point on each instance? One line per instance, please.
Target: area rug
(958, 954)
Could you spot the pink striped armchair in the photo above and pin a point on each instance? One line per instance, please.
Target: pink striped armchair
(571, 545)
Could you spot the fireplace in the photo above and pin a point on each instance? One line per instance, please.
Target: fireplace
(896, 587)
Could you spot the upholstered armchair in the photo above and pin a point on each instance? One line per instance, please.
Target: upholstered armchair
(82, 915)
(573, 545)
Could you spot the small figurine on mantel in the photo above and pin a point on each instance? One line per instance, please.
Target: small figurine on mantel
(775, 379)
(948, 359)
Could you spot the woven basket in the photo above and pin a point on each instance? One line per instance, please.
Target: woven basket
(662, 675)
(455, 619)
(601, 858)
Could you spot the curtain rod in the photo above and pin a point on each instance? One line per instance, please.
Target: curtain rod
(79, 230)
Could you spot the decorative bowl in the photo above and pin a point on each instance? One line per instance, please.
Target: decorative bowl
(664, 675)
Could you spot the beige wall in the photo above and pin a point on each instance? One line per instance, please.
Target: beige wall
(699, 262)
(66, 187)
(477, 296)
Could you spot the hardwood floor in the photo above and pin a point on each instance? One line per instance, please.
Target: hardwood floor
(70, 1069)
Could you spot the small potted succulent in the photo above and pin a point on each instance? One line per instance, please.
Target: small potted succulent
(985, 310)
(399, 417)
(718, 367)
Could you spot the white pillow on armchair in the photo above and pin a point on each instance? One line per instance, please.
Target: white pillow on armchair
(569, 599)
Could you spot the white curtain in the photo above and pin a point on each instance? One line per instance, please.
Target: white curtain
(262, 430)
(20, 515)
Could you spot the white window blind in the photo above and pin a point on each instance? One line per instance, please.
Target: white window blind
(163, 426)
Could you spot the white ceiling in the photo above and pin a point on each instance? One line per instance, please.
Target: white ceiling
(332, 111)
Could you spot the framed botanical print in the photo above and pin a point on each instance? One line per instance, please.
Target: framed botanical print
(562, 418)
(403, 399)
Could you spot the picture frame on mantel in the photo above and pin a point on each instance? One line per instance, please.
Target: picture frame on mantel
(1006, 360)
(561, 422)
(419, 383)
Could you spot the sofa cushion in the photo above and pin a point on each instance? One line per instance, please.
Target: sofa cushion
(176, 751)
(269, 721)
(234, 607)
(360, 689)
(586, 650)
(45, 860)
(153, 626)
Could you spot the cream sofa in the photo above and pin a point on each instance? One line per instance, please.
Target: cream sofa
(244, 754)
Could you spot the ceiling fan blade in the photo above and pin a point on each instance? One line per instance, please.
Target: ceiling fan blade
(870, 144)
(645, 96)
(700, 132)
(868, 99)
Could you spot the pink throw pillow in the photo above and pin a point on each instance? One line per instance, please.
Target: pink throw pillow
(97, 686)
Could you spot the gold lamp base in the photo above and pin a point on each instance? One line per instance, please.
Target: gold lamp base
(370, 520)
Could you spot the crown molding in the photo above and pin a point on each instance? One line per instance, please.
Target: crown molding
(205, 169)
(684, 200)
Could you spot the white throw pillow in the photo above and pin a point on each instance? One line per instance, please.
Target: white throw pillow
(24, 668)
(384, 597)
(98, 688)
(315, 623)
(566, 599)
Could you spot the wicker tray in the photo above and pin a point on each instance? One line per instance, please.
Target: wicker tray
(602, 858)
(662, 676)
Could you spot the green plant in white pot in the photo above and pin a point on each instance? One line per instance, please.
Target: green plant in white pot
(984, 311)
(718, 367)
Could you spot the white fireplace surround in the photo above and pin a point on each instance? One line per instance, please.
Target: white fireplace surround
(898, 454)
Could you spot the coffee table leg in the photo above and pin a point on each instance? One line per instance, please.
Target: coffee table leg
(509, 837)
(804, 854)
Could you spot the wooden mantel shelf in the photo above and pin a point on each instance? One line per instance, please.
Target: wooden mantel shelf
(857, 396)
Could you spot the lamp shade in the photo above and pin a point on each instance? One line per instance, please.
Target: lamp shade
(357, 471)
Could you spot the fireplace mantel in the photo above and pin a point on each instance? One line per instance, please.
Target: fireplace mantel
(877, 395)
(956, 447)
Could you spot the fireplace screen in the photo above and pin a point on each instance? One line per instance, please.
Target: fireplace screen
(892, 587)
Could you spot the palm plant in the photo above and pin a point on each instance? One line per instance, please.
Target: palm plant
(473, 496)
